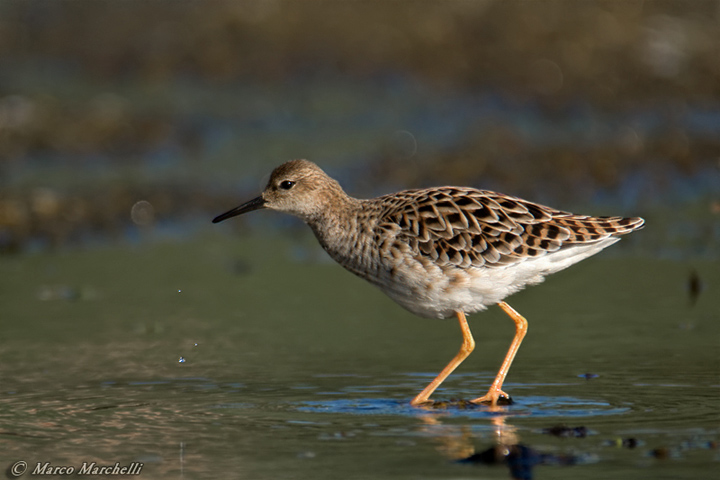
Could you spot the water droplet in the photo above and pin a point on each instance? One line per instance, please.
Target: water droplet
(142, 213)
(404, 144)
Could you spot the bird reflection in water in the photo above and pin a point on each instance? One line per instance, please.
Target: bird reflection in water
(456, 443)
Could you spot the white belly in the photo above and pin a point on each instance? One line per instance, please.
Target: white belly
(429, 291)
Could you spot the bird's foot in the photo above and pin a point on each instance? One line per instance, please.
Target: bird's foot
(494, 398)
(423, 403)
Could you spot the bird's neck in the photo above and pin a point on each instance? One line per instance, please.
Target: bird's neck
(337, 228)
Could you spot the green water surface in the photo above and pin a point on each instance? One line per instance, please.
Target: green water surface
(257, 357)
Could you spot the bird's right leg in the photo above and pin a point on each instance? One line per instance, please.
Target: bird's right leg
(495, 392)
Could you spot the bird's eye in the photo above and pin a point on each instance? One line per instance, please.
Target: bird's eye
(287, 184)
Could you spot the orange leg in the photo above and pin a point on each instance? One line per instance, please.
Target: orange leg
(521, 326)
(467, 346)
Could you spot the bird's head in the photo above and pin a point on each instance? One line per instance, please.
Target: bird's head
(298, 187)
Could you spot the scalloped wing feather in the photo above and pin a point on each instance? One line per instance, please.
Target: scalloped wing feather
(465, 227)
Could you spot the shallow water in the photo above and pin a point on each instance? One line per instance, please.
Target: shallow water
(240, 358)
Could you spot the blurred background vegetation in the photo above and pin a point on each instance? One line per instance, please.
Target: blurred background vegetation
(123, 121)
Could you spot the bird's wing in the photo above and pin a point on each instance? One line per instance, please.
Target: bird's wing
(465, 227)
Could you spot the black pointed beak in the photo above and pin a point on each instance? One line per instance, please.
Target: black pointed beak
(254, 204)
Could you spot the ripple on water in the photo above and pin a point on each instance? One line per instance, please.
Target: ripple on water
(535, 406)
